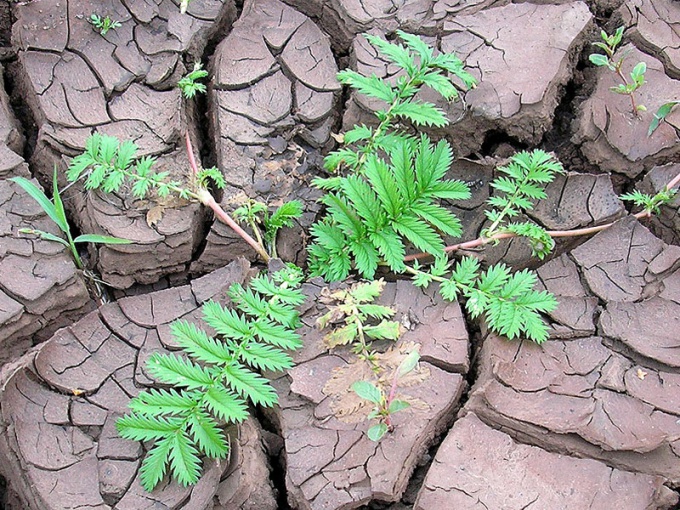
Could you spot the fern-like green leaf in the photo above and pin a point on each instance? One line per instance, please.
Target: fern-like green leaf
(420, 234)
(207, 435)
(265, 357)
(142, 427)
(225, 405)
(250, 385)
(420, 113)
(276, 334)
(198, 344)
(155, 402)
(225, 322)
(154, 465)
(184, 461)
(368, 85)
(172, 369)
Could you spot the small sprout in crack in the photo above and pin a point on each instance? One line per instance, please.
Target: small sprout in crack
(103, 24)
(385, 404)
(627, 87)
(650, 203)
(266, 225)
(189, 84)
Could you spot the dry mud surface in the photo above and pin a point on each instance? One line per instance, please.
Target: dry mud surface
(589, 420)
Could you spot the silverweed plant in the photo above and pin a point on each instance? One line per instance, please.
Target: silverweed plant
(190, 84)
(108, 165)
(392, 196)
(103, 25)
(627, 87)
(214, 377)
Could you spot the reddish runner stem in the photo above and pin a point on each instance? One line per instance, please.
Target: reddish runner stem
(481, 241)
(206, 198)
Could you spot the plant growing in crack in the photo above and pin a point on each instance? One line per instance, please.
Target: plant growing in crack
(103, 25)
(392, 197)
(354, 307)
(212, 384)
(55, 210)
(266, 225)
(627, 87)
(385, 405)
(190, 84)
(107, 164)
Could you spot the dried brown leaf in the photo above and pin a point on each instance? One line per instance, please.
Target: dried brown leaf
(154, 215)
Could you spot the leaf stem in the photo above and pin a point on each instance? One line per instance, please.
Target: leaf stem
(480, 241)
(204, 196)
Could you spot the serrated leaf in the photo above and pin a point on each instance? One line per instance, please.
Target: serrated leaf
(225, 405)
(386, 330)
(154, 465)
(184, 461)
(250, 385)
(344, 335)
(172, 369)
(368, 391)
(420, 113)
(398, 405)
(376, 432)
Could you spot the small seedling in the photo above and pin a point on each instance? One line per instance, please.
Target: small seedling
(55, 210)
(266, 226)
(184, 5)
(103, 24)
(385, 405)
(660, 115)
(651, 203)
(609, 44)
(189, 84)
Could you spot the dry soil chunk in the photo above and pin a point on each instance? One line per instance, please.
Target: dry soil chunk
(605, 394)
(522, 55)
(479, 467)
(653, 26)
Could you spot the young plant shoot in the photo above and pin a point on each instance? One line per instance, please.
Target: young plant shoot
(627, 87)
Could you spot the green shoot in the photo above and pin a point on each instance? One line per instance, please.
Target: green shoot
(651, 203)
(55, 210)
(215, 378)
(183, 6)
(189, 84)
(524, 181)
(660, 115)
(609, 44)
(422, 68)
(103, 24)
(265, 225)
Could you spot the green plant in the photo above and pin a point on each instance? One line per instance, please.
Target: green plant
(108, 164)
(256, 214)
(609, 44)
(526, 176)
(651, 203)
(212, 385)
(103, 24)
(184, 5)
(385, 404)
(354, 307)
(55, 210)
(421, 68)
(370, 216)
(384, 203)
(189, 84)
(660, 115)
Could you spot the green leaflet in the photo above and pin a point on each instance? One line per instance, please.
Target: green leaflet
(216, 379)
